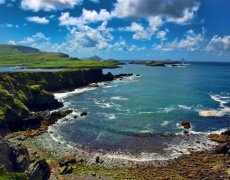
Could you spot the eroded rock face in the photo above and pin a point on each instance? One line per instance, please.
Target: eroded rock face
(13, 158)
(67, 160)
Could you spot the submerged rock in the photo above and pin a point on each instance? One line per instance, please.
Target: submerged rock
(186, 124)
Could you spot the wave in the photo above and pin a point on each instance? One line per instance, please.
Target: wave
(223, 110)
(61, 96)
(119, 98)
(165, 123)
(109, 116)
(185, 107)
(166, 109)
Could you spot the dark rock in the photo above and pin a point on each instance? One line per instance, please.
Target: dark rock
(59, 114)
(227, 132)
(84, 114)
(186, 132)
(67, 160)
(138, 75)
(222, 148)
(186, 124)
(13, 158)
(39, 170)
(98, 159)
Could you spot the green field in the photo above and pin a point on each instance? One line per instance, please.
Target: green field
(14, 55)
(49, 60)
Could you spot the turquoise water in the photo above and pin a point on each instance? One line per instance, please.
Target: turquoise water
(141, 115)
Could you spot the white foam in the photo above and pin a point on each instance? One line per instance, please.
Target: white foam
(223, 110)
(119, 98)
(61, 96)
(165, 123)
(166, 109)
(109, 116)
(185, 107)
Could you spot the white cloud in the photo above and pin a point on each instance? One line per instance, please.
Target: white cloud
(86, 17)
(48, 5)
(190, 42)
(7, 25)
(219, 43)
(38, 37)
(2, 2)
(162, 35)
(155, 23)
(176, 11)
(37, 19)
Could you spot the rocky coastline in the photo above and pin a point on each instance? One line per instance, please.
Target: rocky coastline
(26, 113)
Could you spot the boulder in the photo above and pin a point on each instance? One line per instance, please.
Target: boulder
(223, 148)
(98, 160)
(65, 169)
(59, 114)
(39, 170)
(84, 114)
(186, 124)
(219, 138)
(67, 160)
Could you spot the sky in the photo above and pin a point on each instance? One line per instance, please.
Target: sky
(194, 30)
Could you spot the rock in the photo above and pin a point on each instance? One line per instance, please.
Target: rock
(98, 159)
(227, 132)
(223, 148)
(84, 114)
(186, 132)
(93, 85)
(39, 170)
(65, 170)
(219, 138)
(138, 75)
(13, 158)
(205, 159)
(186, 124)
(59, 114)
(67, 160)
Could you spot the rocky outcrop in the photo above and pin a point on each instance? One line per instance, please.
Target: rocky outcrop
(13, 158)
(39, 170)
(185, 124)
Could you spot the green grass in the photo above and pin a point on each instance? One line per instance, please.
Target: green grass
(49, 60)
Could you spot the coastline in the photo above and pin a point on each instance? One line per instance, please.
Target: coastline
(156, 169)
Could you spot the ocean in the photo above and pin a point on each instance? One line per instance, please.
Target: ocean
(138, 118)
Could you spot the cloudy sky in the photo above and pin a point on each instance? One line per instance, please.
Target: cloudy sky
(121, 29)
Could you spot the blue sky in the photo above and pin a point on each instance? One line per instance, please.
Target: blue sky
(196, 30)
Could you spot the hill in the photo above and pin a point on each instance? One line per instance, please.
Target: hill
(97, 58)
(17, 49)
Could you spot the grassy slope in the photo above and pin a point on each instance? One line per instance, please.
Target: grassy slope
(49, 60)
(16, 49)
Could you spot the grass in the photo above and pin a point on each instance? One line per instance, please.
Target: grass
(49, 60)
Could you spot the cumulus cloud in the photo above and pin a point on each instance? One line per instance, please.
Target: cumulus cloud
(162, 35)
(86, 17)
(219, 43)
(37, 19)
(190, 42)
(178, 11)
(36, 38)
(48, 5)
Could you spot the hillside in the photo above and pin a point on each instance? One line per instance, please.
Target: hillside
(97, 58)
(16, 49)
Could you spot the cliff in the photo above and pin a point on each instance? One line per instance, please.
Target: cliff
(24, 92)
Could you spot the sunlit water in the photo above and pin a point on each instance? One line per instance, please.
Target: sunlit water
(139, 117)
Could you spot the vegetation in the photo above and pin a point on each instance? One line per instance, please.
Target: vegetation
(16, 49)
(49, 60)
(4, 175)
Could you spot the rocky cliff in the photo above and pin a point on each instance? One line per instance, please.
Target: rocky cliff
(24, 92)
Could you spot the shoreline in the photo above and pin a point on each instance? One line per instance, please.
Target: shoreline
(36, 152)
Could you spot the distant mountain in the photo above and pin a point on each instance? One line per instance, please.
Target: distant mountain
(97, 58)
(17, 49)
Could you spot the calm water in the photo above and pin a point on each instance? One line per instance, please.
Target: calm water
(139, 116)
